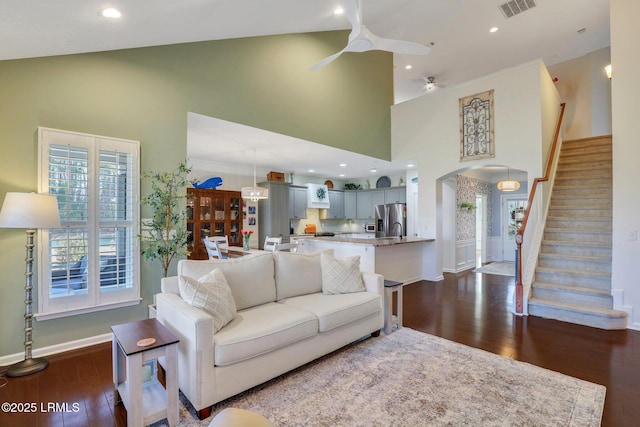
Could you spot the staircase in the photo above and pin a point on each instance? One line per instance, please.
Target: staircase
(573, 278)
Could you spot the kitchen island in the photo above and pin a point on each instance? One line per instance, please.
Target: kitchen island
(394, 258)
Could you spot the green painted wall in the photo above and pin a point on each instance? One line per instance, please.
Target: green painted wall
(144, 94)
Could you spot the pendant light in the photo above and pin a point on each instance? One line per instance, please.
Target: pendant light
(254, 193)
(508, 185)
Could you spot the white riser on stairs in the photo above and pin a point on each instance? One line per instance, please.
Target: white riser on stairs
(573, 277)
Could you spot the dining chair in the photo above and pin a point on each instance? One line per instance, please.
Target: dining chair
(216, 247)
(271, 243)
(287, 247)
(223, 241)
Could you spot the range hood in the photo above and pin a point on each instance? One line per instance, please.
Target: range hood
(317, 196)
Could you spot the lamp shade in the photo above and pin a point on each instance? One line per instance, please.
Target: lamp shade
(508, 185)
(255, 193)
(29, 210)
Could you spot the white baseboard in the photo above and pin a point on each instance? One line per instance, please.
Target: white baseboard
(57, 348)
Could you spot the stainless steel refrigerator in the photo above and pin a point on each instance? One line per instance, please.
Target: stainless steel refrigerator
(391, 220)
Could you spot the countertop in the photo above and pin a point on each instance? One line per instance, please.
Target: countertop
(378, 241)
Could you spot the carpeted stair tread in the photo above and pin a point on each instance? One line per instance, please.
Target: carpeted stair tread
(575, 273)
(570, 288)
(569, 152)
(578, 230)
(579, 308)
(576, 257)
(568, 243)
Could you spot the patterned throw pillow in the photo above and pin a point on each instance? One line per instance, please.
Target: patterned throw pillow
(340, 276)
(212, 294)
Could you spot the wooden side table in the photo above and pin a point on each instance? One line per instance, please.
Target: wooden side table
(149, 402)
(391, 286)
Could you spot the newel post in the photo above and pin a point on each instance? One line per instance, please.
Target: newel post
(519, 292)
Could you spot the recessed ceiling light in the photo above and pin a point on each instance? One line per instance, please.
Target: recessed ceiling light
(338, 11)
(312, 170)
(111, 13)
(343, 165)
(493, 29)
(341, 174)
(408, 67)
(410, 165)
(374, 170)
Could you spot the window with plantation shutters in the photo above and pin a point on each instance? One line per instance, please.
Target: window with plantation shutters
(91, 262)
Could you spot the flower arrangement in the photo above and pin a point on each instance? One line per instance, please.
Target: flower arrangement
(246, 236)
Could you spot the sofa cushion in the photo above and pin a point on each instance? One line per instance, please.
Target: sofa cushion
(337, 310)
(261, 329)
(251, 277)
(341, 276)
(210, 293)
(297, 273)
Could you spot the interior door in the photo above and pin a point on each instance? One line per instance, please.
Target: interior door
(512, 215)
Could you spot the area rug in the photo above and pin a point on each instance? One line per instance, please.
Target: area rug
(410, 378)
(499, 268)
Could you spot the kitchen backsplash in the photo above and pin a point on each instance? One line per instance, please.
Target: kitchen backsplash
(333, 225)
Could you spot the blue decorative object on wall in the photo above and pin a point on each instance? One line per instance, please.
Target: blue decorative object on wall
(208, 183)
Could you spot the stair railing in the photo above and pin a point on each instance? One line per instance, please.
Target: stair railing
(528, 213)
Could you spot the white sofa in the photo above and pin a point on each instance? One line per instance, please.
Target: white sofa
(283, 321)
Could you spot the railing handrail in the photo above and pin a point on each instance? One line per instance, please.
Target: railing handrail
(534, 187)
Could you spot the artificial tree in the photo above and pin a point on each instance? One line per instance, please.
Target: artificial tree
(164, 236)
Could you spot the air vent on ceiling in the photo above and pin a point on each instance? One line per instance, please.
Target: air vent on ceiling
(514, 7)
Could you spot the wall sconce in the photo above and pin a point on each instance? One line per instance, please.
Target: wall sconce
(607, 71)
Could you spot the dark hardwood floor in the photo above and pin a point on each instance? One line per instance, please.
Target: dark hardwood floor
(469, 308)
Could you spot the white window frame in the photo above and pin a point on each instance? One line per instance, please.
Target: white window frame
(94, 299)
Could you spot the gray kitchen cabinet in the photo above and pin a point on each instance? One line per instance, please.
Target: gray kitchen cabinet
(336, 205)
(350, 205)
(395, 195)
(366, 202)
(297, 202)
(273, 215)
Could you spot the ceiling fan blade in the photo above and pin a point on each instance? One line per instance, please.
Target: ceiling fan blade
(326, 60)
(353, 12)
(399, 46)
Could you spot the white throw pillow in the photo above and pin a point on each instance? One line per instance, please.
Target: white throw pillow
(212, 294)
(298, 273)
(340, 276)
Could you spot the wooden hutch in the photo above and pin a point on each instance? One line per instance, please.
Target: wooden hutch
(212, 213)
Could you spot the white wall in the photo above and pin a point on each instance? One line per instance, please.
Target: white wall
(625, 15)
(428, 128)
(585, 88)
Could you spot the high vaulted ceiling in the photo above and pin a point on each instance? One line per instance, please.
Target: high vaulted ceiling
(462, 48)
(457, 30)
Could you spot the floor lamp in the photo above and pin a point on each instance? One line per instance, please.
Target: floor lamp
(30, 211)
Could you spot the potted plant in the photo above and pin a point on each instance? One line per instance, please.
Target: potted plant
(164, 236)
(466, 206)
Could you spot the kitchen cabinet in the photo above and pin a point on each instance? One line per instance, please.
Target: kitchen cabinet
(395, 195)
(297, 202)
(273, 213)
(336, 205)
(212, 213)
(366, 202)
(350, 204)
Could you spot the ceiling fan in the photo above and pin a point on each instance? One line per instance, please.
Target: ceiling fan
(362, 40)
(430, 84)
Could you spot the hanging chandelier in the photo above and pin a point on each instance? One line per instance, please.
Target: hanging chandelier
(509, 184)
(254, 193)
